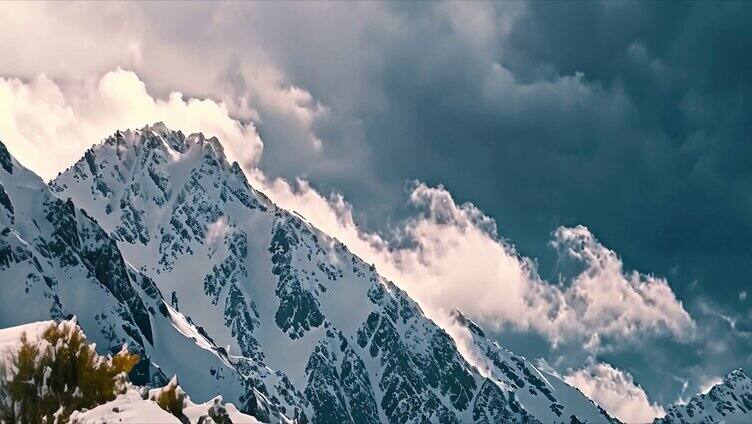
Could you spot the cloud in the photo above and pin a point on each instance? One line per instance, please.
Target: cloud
(217, 230)
(49, 128)
(708, 384)
(616, 392)
(218, 54)
(450, 256)
(623, 301)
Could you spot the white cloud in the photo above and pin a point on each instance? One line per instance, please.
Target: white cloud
(48, 128)
(708, 384)
(617, 301)
(616, 392)
(219, 55)
(217, 230)
(452, 258)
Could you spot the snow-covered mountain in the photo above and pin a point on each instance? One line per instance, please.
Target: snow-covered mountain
(547, 395)
(281, 295)
(154, 239)
(56, 261)
(729, 401)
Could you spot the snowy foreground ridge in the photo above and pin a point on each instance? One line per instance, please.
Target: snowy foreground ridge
(154, 240)
(137, 404)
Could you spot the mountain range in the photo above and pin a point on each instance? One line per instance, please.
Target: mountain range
(155, 240)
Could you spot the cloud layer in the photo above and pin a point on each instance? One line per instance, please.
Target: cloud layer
(48, 128)
(204, 50)
(445, 256)
(450, 256)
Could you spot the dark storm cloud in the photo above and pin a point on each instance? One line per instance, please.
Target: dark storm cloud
(618, 115)
(653, 135)
(683, 69)
(632, 118)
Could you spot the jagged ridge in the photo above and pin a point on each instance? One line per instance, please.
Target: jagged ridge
(346, 344)
(308, 330)
(729, 401)
(56, 261)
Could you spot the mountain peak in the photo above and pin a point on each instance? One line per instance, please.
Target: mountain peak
(178, 141)
(158, 127)
(736, 375)
(134, 178)
(159, 136)
(210, 144)
(728, 401)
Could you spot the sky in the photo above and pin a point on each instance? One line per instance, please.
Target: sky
(586, 166)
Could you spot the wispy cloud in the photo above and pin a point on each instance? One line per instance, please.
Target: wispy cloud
(615, 391)
(450, 256)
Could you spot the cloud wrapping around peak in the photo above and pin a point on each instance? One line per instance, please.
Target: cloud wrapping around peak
(450, 256)
(615, 391)
(446, 256)
(709, 383)
(48, 128)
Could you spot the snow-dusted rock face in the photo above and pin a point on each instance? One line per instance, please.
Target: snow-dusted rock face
(550, 398)
(56, 261)
(729, 401)
(321, 336)
(54, 257)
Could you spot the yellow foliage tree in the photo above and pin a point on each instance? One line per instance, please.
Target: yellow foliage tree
(59, 374)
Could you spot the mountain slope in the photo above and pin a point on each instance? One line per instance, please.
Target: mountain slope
(56, 261)
(729, 401)
(551, 398)
(282, 295)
